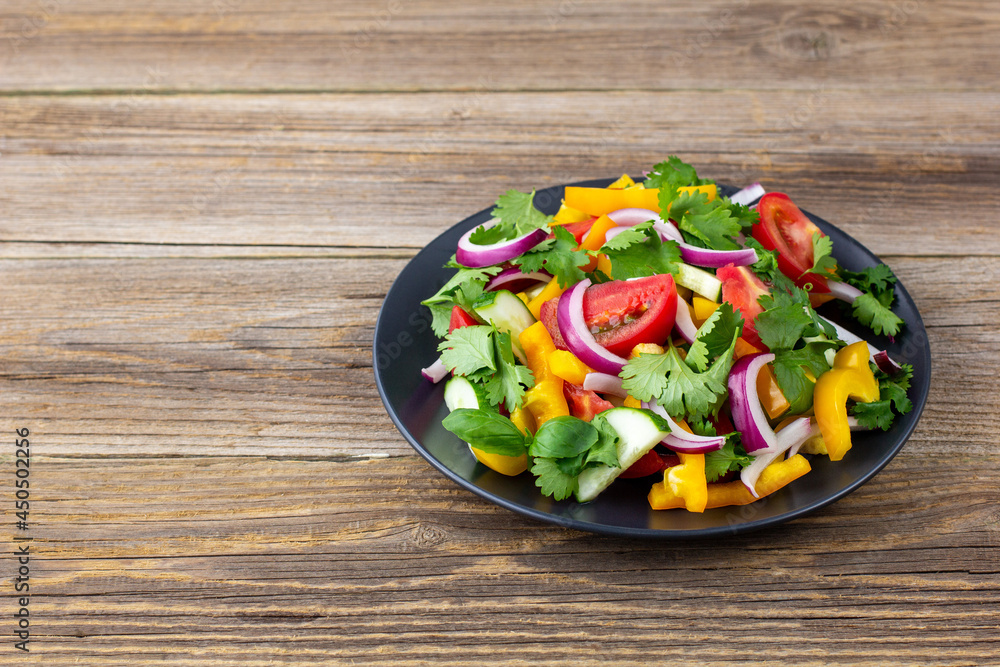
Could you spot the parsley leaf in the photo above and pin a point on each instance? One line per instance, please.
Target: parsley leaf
(518, 215)
(714, 336)
(462, 289)
(486, 430)
(721, 461)
(823, 261)
(559, 256)
(641, 253)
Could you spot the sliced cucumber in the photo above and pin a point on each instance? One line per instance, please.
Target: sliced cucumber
(698, 280)
(508, 313)
(460, 393)
(638, 432)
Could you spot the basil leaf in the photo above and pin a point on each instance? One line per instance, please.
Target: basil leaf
(562, 438)
(485, 430)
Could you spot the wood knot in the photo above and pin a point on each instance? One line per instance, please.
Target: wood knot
(428, 536)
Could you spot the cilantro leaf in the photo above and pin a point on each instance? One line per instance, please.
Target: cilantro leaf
(672, 174)
(505, 386)
(790, 368)
(714, 336)
(823, 261)
(721, 461)
(783, 321)
(468, 350)
(559, 256)
(878, 278)
(518, 215)
(892, 394)
(715, 228)
(486, 430)
(766, 266)
(875, 314)
(676, 387)
(641, 253)
(462, 289)
(552, 480)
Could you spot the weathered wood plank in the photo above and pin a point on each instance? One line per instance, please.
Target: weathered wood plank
(528, 45)
(307, 171)
(251, 356)
(200, 561)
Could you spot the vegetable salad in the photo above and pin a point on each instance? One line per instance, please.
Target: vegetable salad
(658, 330)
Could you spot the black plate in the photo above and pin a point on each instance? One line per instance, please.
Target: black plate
(404, 343)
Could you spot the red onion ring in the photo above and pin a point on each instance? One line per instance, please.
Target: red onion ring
(435, 372)
(577, 336)
(477, 256)
(604, 383)
(680, 440)
(683, 322)
(792, 435)
(843, 291)
(748, 415)
(510, 275)
(748, 194)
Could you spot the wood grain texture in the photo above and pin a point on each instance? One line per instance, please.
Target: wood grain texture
(307, 171)
(256, 45)
(203, 205)
(388, 562)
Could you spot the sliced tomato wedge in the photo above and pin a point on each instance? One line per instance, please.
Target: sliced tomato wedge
(785, 228)
(742, 288)
(629, 312)
(583, 403)
(460, 318)
(624, 313)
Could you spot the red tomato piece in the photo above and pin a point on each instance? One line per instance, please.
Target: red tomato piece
(577, 229)
(742, 288)
(629, 312)
(651, 463)
(583, 403)
(625, 312)
(460, 318)
(785, 228)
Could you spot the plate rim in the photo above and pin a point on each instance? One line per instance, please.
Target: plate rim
(919, 403)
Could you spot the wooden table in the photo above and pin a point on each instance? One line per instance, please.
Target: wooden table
(204, 204)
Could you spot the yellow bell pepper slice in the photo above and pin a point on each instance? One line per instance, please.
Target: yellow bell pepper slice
(624, 181)
(850, 377)
(771, 398)
(703, 309)
(545, 400)
(600, 201)
(632, 402)
(551, 291)
(774, 477)
(604, 265)
(568, 367)
(511, 466)
(567, 215)
(686, 482)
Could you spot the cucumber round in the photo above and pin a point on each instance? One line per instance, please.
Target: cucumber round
(699, 281)
(460, 393)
